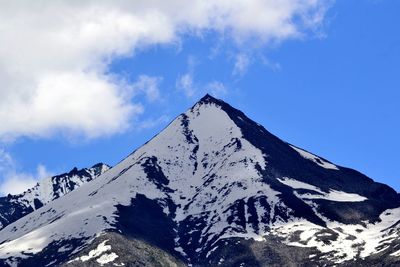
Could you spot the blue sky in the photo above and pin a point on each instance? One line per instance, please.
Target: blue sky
(327, 82)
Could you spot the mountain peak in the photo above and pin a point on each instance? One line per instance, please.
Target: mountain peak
(209, 99)
(212, 183)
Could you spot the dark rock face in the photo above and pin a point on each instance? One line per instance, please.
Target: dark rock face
(145, 220)
(155, 173)
(214, 189)
(131, 252)
(11, 210)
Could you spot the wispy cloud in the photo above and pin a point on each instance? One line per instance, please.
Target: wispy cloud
(217, 89)
(149, 86)
(190, 87)
(274, 66)
(151, 123)
(6, 161)
(242, 62)
(185, 84)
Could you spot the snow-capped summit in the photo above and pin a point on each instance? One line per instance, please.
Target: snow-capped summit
(213, 188)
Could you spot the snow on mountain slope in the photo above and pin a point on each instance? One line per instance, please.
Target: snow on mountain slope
(343, 241)
(69, 212)
(13, 207)
(54, 187)
(321, 162)
(314, 192)
(210, 177)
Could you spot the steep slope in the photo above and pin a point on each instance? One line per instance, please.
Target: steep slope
(14, 207)
(216, 188)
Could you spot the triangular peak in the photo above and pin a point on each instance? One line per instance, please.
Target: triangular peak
(207, 99)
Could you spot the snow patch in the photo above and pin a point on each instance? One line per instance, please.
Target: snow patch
(32, 242)
(332, 195)
(106, 258)
(100, 253)
(321, 162)
(101, 248)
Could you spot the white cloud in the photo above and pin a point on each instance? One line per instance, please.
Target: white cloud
(43, 172)
(149, 86)
(17, 184)
(274, 66)
(216, 89)
(14, 182)
(54, 55)
(242, 62)
(78, 102)
(150, 123)
(190, 87)
(185, 84)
